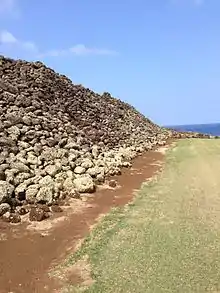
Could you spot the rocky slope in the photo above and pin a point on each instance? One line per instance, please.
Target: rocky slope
(58, 139)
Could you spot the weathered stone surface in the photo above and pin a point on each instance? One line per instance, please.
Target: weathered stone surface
(68, 184)
(112, 183)
(94, 171)
(46, 181)
(21, 177)
(52, 170)
(14, 218)
(20, 167)
(84, 184)
(38, 214)
(45, 194)
(4, 208)
(100, 178)
(79, 170)
(21, 210)
(56, 209)
(6, 217)
(87, 163)
(31, 192)
(6, 191)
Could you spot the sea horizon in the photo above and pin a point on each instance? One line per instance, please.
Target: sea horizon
(206, 128)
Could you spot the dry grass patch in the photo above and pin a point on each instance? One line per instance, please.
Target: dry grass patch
(168, 239)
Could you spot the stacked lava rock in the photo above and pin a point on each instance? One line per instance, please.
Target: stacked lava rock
(58, 139)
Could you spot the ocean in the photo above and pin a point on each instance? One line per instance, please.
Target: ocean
(212, 129)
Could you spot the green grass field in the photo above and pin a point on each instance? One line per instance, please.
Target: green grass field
(168, 239)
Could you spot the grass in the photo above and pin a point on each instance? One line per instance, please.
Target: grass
(168, 239)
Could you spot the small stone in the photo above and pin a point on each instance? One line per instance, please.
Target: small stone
(7, 141)
(45, 194)
(45, 208)
(68, 184)
(6, 217)
(38, 214)
(20, 191)
(27, 120)
(46, 181)
(2, 175)
(37, 148)
(56, 209)
(112, 183)
(100, 163)
(24, 144)
(100, 178)
(63, 142)
(14, 130)
(79, 170)
(21, 177)
(52, 170)
(14, 218)
(126, 164)
(94, 171)
(70, 174)
(6, 191)
(95, 151)
(4, 208)
(72, 145)
(32, 159)
(21, 211)
(20, 167)
(51, 142)
(31, 192)
(87, 163)
(10, 175)
(75, 194)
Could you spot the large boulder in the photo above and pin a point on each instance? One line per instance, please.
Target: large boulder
(84, 184)
(46, 190)
(6, 191)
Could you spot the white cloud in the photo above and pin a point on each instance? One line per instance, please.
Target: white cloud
(8, 42)
(83, 50)
(7, 39)
(80, 50)
(9, 7)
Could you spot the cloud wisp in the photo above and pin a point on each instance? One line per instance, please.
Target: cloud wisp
(8, 40)
(78, 50)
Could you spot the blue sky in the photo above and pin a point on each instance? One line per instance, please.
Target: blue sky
(162, 56)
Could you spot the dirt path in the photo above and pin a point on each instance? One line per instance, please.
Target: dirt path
(27, 252)
(168, 240)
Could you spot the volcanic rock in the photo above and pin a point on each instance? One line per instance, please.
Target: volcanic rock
(4, 208)
(58, 139)
(84, 184)
(112, 183)
(37, 214)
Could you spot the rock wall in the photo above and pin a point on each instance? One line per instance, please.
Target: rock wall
(58, 139)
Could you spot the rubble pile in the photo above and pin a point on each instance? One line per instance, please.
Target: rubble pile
(58, 140)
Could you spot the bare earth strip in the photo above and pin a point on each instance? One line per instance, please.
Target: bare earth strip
(29, 250)
(168, 240)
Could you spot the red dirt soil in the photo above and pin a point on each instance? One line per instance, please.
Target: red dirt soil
(26, 256)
